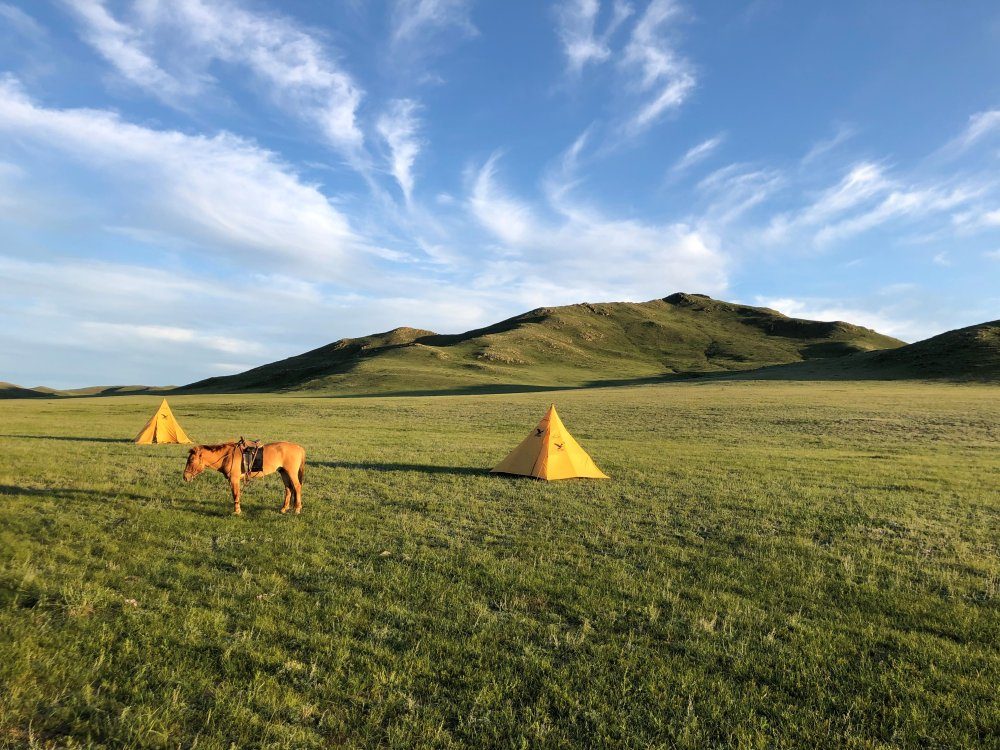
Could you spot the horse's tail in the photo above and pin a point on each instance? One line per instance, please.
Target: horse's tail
(302, 469)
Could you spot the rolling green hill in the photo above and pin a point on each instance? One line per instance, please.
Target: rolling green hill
(575, 345)
(965, 354)
(115, 390)
(9, 390)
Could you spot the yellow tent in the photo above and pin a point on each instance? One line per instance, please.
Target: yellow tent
(550, 452)
(162, 428)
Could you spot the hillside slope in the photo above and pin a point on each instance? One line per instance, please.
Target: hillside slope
(9, 390)
(965, 354)
(575, 345)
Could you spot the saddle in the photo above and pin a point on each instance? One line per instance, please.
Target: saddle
(252, 453)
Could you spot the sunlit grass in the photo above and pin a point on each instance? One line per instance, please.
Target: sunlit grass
(772, 565)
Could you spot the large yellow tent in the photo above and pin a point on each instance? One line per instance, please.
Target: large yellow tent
(162, 428)
(550, 452)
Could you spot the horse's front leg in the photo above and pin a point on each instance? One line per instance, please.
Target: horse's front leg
(234, 482)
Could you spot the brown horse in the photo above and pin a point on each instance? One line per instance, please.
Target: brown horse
(288, 459)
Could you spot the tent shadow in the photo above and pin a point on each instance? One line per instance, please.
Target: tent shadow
(69, 437)
(387, 467)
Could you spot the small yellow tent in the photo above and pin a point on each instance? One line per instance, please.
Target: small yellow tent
(550, 452)
(162, 428)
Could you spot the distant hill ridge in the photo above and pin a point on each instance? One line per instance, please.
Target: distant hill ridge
(9, 390)
(970, 354)
(608, 343)
(573, 345)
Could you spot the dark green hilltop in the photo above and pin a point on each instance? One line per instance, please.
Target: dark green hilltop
(618, 343)
(966, 354)
(9, 390)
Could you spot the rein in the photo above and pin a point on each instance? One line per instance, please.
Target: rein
(218, 464)
(246, 476)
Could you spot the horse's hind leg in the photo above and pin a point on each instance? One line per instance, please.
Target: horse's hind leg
(296, 481)
(288, 490)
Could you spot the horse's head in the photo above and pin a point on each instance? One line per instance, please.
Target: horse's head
(195, 464)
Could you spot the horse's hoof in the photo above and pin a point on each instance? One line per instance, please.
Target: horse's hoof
(283, 511)
(298, 511)
(237, 512)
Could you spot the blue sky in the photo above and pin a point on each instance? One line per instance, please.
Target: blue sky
(194, 187)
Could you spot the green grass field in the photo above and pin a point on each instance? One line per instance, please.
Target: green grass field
(772, 565)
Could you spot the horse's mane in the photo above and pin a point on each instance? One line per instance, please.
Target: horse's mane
(218, 446)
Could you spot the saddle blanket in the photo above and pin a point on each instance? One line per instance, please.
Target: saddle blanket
(253, 459)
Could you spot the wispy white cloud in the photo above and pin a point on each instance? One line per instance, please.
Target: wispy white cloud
(862, 182)
(990, 218)
(92, 287)
(735, 189)
(412, 18)
(697, 154)
(508, 218)
(901, 203)
(658, 79)
(399, 127)
(123, 47)
(664, 76)
(981, 125)
(421, 31)
(21, 22)
(576, 27)
(80, 310)
(300, 75)
(822, 148)
(865, 198)
(220, 190)
(576, 31)
(580, 250)
(115, 335)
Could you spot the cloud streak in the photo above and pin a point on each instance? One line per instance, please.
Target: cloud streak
(660, 72)
(576, 27)
(294, 66)
(580, 251)
(412, 18)
(122, 46)
(219, 190)
(399, 127)
(697, 154)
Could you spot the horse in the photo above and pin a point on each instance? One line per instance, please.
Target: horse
(288, 459)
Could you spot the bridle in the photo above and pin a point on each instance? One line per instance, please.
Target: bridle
(206, 465)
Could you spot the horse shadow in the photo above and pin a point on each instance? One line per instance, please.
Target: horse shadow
(67, 493)
(403, 467)
(208, 508)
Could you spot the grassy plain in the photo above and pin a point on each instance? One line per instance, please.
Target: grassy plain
(772, 565)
